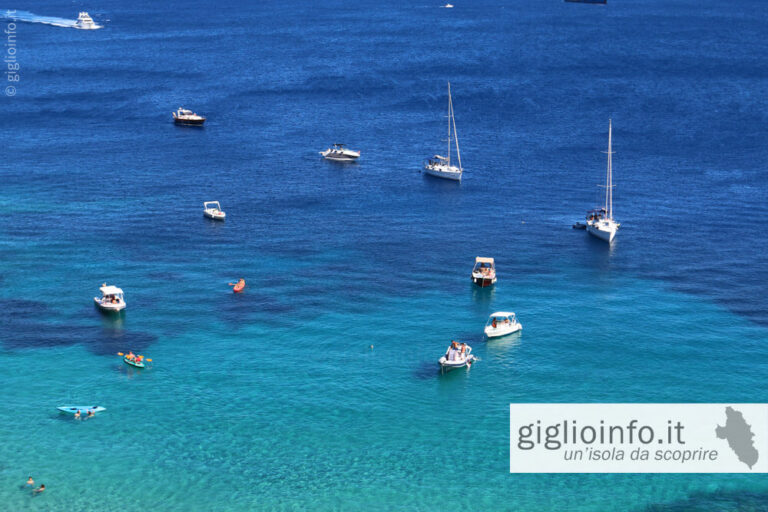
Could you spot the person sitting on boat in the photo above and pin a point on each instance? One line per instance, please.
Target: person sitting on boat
(131, 356)
(493, 324)
(506, 321)
(463, 350)
(453, 350)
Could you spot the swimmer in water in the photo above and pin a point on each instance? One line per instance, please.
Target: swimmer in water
(77, 414)
(30, 482)
(39, 489)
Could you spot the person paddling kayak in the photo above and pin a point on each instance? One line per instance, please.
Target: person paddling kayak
(238, 287)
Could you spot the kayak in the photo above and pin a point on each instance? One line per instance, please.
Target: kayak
(239, 286)
(72, 409)
(137, 364)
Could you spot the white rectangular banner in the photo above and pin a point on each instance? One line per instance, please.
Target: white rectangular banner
(638, 438)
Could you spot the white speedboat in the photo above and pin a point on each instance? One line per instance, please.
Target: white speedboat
(85, 22)
(502, 323)
(458, 355)
(447, 6)
(600, 222)
(111, 298)
(212, 210)
(184, 116)
(340, 153)
(440, 166)
(484, 272)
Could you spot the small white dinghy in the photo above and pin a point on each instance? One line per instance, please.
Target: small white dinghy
(212, 210)
(502, 323)
(458, 355)
(111, 298)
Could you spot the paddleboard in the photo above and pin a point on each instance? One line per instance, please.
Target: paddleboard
(72, 409)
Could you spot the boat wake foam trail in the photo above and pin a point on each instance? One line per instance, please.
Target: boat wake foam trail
(28, 17)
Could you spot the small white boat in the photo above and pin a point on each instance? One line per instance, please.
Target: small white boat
(447, 6)
(212, 210)
(340, 153)
(502, 323)
(484, 272)
(85, 22)
(184, 116)
(440, 166)
(111, 298)
(457, 356)
(600, 222)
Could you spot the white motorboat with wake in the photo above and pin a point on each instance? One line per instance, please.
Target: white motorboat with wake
(85, 22)
(600, 222)
(502, 323)
(440, 166)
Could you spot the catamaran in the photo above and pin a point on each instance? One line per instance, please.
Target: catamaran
(440, 166)
(600, 222)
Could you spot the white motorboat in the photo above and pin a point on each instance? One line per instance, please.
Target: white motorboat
(447, 6)
(85, 22)
(600, 222)
(440, 166)
(212, 210)
(111, 298)
(484, 272)
(184, 116)
(502, 323)
(340, 153)
(458, 355)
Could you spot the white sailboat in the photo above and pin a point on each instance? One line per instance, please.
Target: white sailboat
(600, 222)
(440, 166)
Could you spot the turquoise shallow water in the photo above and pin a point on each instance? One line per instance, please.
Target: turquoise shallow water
(273, 400)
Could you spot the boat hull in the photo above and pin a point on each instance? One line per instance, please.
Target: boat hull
(446, 365)
(446, 175)
(189, 122)
(109, 307)
(133, 363)
(606, 235)
(72, 409)
(214, 216)
(484, 282)
(502, 330)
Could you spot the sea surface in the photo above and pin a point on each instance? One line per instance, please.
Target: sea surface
(318, 388)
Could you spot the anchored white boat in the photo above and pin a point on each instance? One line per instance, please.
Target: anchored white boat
(184, 116)
(111, 298)
(212, 210)
(440, 166)
(340, 153)
(502, 323)
(458, 355)
(85, 22)
(600, 222)
(484, 272)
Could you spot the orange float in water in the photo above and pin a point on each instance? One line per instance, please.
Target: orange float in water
(239, 286)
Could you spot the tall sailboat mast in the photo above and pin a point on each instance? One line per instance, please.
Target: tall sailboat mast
(450, 114)
(609, 174)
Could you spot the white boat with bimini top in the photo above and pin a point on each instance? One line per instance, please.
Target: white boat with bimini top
(600, 222)
(484, 272)
(212, 210)
(85, 22)
(111, 298)
(440, 166)
(340, 153)
(502, 323)
(458, 355)
(187, 117)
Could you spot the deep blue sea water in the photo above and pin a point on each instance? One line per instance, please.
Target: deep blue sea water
(273, 400)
